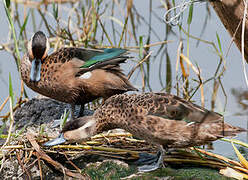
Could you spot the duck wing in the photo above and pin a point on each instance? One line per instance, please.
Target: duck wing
(175, 108)
(109, 59)
(174, 122)
(179, 134)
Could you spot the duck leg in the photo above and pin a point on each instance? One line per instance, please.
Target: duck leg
(152, 163)
(72, 111)
(81, 111)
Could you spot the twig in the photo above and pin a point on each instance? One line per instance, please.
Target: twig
(41, 177)
(98, 148)
(14, 147)
(112, 135)
(21, 164)
(151, 45)
(201, 87)
(233, 37)
(41, 154)
(235, 141)
(30, 166)
(46, 2)
(16, 106)
(234, 164)
(79, 170)
(140, 62)
(179, 50)
(123, 31)
(190, 64)
(104, 30)
(198, 162)
(6, 100)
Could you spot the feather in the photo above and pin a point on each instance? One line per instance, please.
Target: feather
(108, 54)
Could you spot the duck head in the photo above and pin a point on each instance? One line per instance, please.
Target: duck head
(38, 47)
(75, 131)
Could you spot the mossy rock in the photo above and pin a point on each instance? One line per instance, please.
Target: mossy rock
(109, 169)
(196, 173)
(112, 170)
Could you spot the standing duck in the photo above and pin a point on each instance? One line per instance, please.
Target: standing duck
(159, 118)
(73, 75)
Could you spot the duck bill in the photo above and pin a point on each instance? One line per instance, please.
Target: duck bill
(35, 70)
(59, 140)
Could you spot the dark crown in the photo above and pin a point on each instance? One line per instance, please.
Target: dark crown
(39, 41)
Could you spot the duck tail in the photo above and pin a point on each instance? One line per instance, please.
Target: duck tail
(230, 131)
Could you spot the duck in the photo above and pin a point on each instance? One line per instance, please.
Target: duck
(73, 75)
(164, 120)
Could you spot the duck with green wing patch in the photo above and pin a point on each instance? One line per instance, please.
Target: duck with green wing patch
(74, 75)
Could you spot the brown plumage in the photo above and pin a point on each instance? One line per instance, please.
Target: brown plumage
(158, 118)
(73, 75)
(161, 119)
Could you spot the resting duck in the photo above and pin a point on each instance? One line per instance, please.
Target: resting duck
(73, 75)
(159, 118)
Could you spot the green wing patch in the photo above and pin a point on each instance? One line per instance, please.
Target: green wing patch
(106, 55)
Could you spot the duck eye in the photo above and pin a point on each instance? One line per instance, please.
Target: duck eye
(173, 113)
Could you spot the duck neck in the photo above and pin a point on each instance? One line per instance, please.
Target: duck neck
(83, 132)
(25, 67)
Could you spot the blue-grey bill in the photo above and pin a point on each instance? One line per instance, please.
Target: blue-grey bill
(35, 70)
(59, 140)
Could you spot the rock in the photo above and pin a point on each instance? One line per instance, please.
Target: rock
(43, 110)
(39, 111)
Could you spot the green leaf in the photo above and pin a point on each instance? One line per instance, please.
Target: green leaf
(21, 131)
(13, 34)
(7, 2)
(2, 128)
(219, 43)
(55, 11)
(24, 24)
(173, 2)
(190, 14)
(11, 95)
(83, 12)
(141, 47)
(63, 119)
(8, 14)
(42, 129)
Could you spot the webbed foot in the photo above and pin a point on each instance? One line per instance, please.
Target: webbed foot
(153, 163)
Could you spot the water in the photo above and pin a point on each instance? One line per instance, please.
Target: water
(204, 55)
